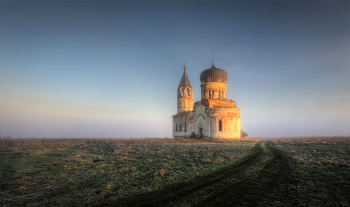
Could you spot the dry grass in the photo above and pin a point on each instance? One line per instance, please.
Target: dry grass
(321, 167)
(63, 171)
(325, 140)
(317, 150)
(7, 142)
(82, 172)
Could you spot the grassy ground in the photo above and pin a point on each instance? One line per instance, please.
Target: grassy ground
(321, 168)
(260, 179)
(166, 172)
(73, 172)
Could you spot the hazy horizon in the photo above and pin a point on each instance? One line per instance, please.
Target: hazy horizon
(91, 69)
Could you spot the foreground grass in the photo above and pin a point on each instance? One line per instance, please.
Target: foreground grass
(262, 178)
(321, 168)
(85, 174)
(165, 172)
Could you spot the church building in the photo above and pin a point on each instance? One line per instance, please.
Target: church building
(214, 116)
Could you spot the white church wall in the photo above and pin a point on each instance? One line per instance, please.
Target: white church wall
(181, 125)
(230, 118)
(201, 121)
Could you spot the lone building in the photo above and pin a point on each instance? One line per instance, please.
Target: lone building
(214, 116)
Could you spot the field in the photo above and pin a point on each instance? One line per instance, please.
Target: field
(167, 172)
(321, 169)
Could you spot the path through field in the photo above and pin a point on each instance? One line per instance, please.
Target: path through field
(261, 179)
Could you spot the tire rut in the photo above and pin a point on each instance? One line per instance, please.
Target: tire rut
(270, 185)
(235, 185)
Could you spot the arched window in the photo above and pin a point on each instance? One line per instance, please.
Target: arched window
(176, 127)
(185, 127)
(182, 92)
(219, 93)
(180, 128)
(220, 125)
(209, 93)
(188, 92)
(212, 93)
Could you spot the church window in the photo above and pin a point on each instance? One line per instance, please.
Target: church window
(220, 125)
(219, 93)
(185, 127)
(188, 92)
(209, 93)
(182, 92)
(180, 129)
(212, 93)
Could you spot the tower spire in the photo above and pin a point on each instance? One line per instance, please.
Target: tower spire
(185, 82)
(213, 58)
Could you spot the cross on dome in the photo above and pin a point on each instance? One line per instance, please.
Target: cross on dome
(213, 58)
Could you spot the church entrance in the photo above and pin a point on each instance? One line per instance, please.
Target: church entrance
(200, 132)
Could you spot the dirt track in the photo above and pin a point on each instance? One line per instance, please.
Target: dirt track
(261, 179)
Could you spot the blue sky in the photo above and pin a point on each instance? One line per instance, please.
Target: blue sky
(111, 69)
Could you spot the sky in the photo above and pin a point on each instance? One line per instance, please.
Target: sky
(110, 69)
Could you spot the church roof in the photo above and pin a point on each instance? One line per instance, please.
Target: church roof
(185, 82)
(198, 103)
(213, 74)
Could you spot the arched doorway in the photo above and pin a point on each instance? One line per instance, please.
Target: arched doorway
(200, 125)
(200, 132)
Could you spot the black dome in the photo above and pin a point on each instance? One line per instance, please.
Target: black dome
(213, 74)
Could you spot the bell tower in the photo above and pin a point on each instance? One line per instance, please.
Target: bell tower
(184, 94)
